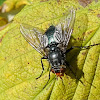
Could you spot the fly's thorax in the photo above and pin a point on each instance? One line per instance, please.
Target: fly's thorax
(52, 35)
(48, 37)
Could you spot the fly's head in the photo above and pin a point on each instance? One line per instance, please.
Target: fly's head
(59, 71)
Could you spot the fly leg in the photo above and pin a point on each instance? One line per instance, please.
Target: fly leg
(69, 49)
(81, 47)
(86, 47)
(45, 57)
(48, 79)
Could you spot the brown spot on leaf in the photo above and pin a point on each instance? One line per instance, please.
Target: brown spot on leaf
(83, 33)
(80, 39)
(89, 32)
(2, 37)
(58, 0)
(79, 26)
(5, 58)
(44, 0)
(98, 15)
(96, 0)
(84, 53)
(16, 49)
(90, 10)
(84, 3)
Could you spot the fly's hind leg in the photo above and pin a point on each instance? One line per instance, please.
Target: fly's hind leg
(45, 57)
(87, 47)
(48, 79)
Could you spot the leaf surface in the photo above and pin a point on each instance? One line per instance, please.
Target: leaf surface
(20, 64)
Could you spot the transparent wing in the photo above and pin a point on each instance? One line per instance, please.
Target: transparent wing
(65, 28)
(33, 36)
(68, 25)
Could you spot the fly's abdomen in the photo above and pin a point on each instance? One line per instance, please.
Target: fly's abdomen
(53, 58)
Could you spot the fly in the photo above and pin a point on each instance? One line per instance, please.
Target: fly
(53, 43)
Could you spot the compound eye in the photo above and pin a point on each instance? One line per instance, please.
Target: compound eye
(44, 40)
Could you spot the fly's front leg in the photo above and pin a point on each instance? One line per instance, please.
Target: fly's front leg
(45, 57)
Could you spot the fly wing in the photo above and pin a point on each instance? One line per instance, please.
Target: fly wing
(68, 25)
(64, 30)
(32, 36)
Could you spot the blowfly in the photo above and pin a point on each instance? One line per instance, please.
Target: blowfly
(53, 43)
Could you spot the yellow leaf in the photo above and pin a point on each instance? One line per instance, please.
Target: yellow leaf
(20, 64)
